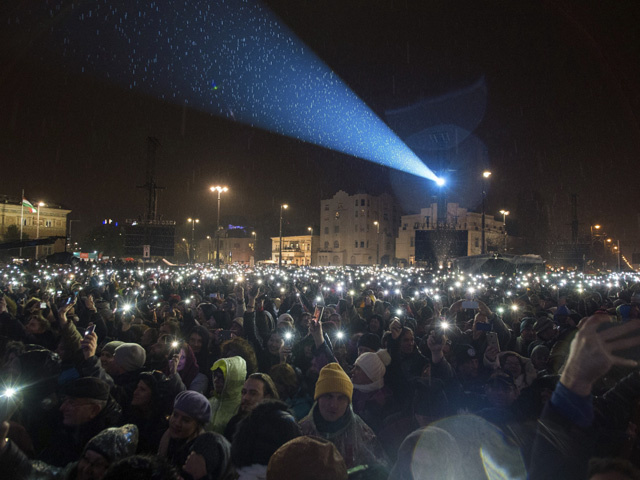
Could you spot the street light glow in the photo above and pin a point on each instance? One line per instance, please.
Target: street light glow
(486, 174)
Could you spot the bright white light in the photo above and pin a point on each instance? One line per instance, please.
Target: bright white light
(440, 181)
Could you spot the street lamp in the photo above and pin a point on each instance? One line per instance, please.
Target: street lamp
(193, 222)
(209, 248)
(255, 240)
(504, 226)
(283, 207)
(377, 224)
(218, 189)
(485, 175)
(40, 204)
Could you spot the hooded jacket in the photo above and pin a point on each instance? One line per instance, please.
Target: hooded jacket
(225, 405)
(355, 441)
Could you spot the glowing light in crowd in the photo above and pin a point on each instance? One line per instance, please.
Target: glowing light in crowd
(233, 59)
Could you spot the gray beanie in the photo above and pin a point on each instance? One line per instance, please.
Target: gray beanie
(130, 356)
(193, 404)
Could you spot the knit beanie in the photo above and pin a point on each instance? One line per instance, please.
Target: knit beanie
(115, 443)
(307, 458)
(111, 346)
(130, 356)
(88, 387)
(369, 340)
(372, 365)
(332, 379)
(193, 404)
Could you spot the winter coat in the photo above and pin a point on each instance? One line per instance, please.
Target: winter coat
(355, 441)
(225, 405)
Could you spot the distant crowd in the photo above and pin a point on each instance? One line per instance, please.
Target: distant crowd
(117, 371)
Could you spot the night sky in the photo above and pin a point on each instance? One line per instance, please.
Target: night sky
(561, 81)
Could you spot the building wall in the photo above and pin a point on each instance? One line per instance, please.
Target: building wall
(53, 223)
(458, 218)
(348, 235)
(296, 250)
(232, 250)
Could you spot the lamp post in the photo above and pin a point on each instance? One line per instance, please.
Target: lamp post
(209, 248)
(377, 224)
(310, 245)
(485, 175)
(193, 222)
(40, 204)
(218, 189)
(187, 248)
(283, 207)
(504, 226)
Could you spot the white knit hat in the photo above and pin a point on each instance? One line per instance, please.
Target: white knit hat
(374, 364)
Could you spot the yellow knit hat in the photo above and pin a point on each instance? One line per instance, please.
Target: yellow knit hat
(332, 379)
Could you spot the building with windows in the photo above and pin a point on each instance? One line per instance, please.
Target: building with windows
(50, 221)
(428, 237)
(357, 229)
(236, 246)
(298, 250)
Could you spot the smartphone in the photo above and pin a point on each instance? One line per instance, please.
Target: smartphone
(288, 339)
(8, 404)
(317, 314)
(483, 327)
(492, 340)
(225, 335)
(43, 305)
(90, 330)
(470, 305)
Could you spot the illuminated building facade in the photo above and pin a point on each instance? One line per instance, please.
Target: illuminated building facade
(457, 233)
(298, 250)
(349, 234)
(52, 220)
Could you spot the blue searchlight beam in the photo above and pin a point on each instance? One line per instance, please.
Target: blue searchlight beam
(232, 58)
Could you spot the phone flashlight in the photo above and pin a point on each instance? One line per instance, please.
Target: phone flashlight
(9, 392)
(174, 344)
(288, 336)
(339, 335)
(444, 325)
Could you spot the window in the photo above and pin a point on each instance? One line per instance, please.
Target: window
(416, 226)
(404, 227)
(361, 244)
(336, 229)
(362, 202)
(337, 215)
(336, 244)
(326, 207)
(326, 230)
(412, 242)
(326, 244)
(356, 246)
(477, 243)
(48, 223)
(356, 202)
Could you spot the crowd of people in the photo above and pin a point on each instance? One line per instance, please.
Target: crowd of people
(114, 370)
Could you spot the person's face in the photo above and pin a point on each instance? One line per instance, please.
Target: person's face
(512, 366)
(195, 342)
(142, 395)
(182, 361)
(547, 334)
(304, 321)
(236, 329)
(33, 327)
(274, 344)
(105, 359)
(181, 425)
(374, 325)
(92, 466)
(218, 381)
(407, 343)
(468, 369)
(358, 377)
(252, 394)
(332, 406)
(78, 411)
(528, 335)
(500, 395)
